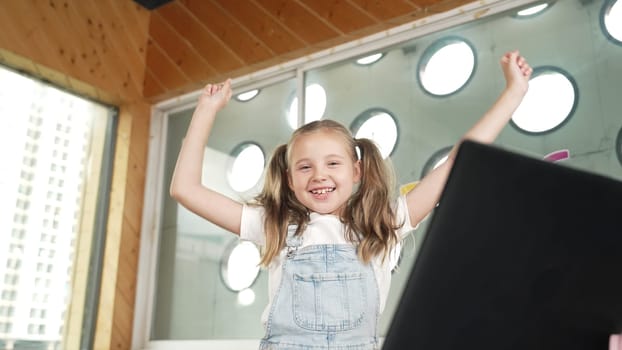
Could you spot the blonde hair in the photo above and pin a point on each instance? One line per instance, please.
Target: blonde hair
(368, 216)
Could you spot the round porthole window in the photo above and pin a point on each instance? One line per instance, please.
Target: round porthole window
(549, 103)
(247, 96)
(533, 10)
(378, 125)
(245, 167)
(446, 66)
(611, 20)
(439, 157)
(369, 60)
(315, 105)
(239, 265)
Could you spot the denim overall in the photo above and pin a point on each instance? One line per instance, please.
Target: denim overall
(327, 299)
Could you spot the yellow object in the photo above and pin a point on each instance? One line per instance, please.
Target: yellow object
(408, 187)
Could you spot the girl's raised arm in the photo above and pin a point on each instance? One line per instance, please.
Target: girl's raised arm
(186, 185)
(424, 197)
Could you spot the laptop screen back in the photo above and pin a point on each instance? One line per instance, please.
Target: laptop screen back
(519, 254)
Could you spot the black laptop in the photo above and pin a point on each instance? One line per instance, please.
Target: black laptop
(520, 254)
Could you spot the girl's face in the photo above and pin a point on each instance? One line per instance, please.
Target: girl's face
(322, 173)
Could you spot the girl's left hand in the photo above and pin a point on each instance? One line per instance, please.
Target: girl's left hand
(615, 342)
(516, 70)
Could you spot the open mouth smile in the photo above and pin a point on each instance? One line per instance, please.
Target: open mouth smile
(322, 190)
(321, 193)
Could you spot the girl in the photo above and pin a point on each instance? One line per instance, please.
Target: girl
(326, 219)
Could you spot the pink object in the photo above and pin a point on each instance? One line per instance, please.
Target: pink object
(615, 342)
(557, 155)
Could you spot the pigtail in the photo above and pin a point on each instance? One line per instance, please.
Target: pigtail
(370, 214)
(280, 205)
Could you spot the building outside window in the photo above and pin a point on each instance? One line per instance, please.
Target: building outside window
(47, 139)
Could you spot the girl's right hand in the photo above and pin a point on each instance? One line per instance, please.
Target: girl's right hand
(215, 96)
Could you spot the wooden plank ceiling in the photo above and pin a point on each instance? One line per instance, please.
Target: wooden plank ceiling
(92, 47)
(192, 42)
(118, 50)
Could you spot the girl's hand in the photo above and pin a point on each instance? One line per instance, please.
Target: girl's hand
(516, 71)
(615, 342)
(215, 96)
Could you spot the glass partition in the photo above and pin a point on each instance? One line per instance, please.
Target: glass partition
(433, 112)
(192, 299)
(192, 302)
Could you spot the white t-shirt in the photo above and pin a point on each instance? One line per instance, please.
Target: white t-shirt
(322, 229)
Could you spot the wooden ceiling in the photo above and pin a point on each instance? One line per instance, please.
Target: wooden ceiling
(118, 50)
(192, 42)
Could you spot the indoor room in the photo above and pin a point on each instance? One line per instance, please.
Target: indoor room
(96, 99)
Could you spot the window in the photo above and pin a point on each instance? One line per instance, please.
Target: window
(8, 295)
(370, 59)
(378, 125)
(239, 267)
(550, 101)
(11, 279)
(315, 105)
(246, 166)
(247, 96)
(437, 158)
(611, 20)
(446, 66)
(39, 120)
(5, 327)
(533, 10)
(6, 311)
